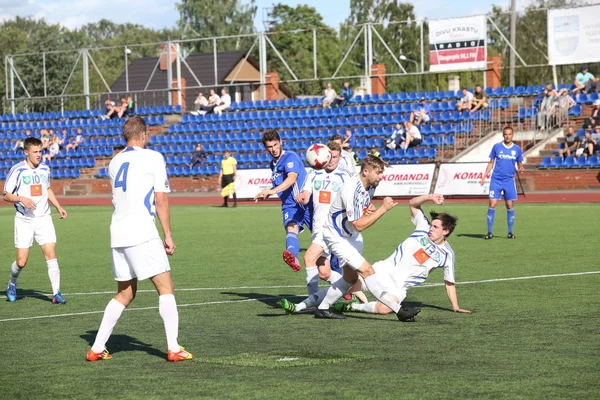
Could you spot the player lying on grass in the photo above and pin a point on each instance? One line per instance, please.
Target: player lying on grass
(322, 188)
(425, 250)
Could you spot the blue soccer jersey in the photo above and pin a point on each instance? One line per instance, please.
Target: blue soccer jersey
(288, 162)
(505, 159)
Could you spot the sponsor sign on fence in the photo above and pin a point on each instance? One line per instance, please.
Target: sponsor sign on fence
(457, 43)
(574, 35)
(406, 180)
(462, 179)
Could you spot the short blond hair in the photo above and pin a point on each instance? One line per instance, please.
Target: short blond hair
(373, 162)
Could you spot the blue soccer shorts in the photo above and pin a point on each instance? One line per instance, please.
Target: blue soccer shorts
(301, 215)
(503, 187)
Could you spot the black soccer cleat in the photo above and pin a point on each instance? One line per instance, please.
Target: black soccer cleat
(488, 236)
(511, 236)
(327, 314)
(406, 314)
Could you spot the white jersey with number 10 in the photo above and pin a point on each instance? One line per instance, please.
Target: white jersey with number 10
(135, 175)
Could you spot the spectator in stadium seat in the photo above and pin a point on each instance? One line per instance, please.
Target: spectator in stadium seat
(421, 112)
(396, 138)
(45, 137)
(596, 139)
(375, 152)
(224, 103)
(349, 140)
(585, 81)
(330, 96)
(199, 103)
(546, 108)
(593, 119)
(562, 105)
(75, 141)
(413, 136)
(108, 105)
(130, 105)
(213, 101)
(571, 143)
(53, 150)
(199, 156)
(466, 101)
(345, 96)
(479, 99)
(117, 111)
(586, 145)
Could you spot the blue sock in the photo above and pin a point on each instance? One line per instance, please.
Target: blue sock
(292, 243)
(510, 215)
(490, 218)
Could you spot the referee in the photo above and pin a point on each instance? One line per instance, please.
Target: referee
(227, 177)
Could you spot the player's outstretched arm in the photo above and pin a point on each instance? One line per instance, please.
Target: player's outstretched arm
(488, 169)
(369, 218)
(289, 181)
(54, 201)
(164, 216)
(416, 202)
(303, 197)
(451, 292)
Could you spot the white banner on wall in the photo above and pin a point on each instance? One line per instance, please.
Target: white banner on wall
(250, 182)
(574, 35)
(457, 43)
(462, 179)
(406, 180)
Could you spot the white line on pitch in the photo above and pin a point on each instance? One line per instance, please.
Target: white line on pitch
(302, 295)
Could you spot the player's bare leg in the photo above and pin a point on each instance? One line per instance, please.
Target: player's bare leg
(491, 215)
(49, 250)
(167, 308)
(292, 246)
(22, 255)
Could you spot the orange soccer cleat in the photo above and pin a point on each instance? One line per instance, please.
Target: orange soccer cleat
(181, 355)
(103, 355)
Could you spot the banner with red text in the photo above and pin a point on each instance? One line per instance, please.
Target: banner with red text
(462, 179)
(250, 182)
(406, 180)
(457, 43)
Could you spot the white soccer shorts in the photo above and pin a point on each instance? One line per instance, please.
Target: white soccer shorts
(317, 238)
(347, 250)
(142, 261)
(40, 228)
(385, 274)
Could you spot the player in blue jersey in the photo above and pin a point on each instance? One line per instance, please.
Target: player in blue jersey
(503, 157)
(288, 176)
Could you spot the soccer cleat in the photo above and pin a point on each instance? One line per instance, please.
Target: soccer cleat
(489, 236)
(344, 307)
(288, 306)
(291, 260)
(406, 314)
(11, 292)
(511, 236)
(181, 355)
(58, 299)
(327, 314)
(103, 355)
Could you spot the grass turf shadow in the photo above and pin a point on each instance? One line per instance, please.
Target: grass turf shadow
(119, 343)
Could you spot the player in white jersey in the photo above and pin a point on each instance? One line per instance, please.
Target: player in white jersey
(349, 215)
(139, 184)
(28, 187)
(322, 187)
(425, 250)
(346, 163)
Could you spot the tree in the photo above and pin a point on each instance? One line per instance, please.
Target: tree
(295, 44)
(204, 19)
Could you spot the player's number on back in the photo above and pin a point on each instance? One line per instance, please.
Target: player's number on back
(121, 178)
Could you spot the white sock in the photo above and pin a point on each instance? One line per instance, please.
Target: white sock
(334, 293)
(112, 313)
(168, 312)
(334, 277)
(15, 271)
(377, 289)
(366, 308)
(312, 279)
(54, 275)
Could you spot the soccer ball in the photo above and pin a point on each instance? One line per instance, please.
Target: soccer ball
(318, 156)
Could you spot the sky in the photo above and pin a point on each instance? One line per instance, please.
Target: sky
(163, 13)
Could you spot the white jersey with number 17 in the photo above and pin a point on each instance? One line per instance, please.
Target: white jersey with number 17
(135, 175)
(324, 187)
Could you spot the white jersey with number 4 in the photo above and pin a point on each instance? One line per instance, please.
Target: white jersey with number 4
(348, 207)
(135, 175)
(33, 183)
(324, 187)
(417, 256)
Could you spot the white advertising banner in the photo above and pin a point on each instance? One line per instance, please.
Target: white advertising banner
(406, 180)
(462, 179)
(250, 182)
(574, 35)
(457, 43)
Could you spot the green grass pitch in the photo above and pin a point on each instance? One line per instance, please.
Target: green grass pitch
(527, 338)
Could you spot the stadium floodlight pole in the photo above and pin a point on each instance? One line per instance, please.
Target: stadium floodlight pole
(12, 87)
(215, 65)
(44, 74)
(404, 58)
(262, 51)
(126, 51)
(513, 41)
(86, 78)
(367, 64)
(422, 49)
(169, 74)
(314, 34)
(178, 67)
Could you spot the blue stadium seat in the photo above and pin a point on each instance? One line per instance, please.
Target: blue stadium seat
(581, 161)
(593, 161)
(557, 162)
(569, 162)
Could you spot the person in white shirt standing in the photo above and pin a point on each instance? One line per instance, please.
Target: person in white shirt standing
(28, 187)
(140, 185)
(225, 102)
